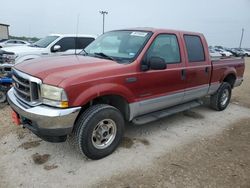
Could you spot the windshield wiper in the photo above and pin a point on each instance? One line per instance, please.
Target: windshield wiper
(104, 55)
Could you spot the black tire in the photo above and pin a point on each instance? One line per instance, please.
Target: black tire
(216, 100)
(86, 124)
(3, 96)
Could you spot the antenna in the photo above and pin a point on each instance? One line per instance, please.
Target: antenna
(77, 27)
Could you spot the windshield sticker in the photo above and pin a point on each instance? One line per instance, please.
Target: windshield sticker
(131, 54)
(138, 34)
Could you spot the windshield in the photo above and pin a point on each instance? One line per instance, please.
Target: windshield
(122, 46)
(43, 43)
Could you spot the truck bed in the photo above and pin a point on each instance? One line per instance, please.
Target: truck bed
(226, 66)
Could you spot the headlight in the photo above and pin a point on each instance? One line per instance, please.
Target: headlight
(9, 58)
(54, 96)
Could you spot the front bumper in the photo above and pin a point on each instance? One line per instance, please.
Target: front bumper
(51, 124)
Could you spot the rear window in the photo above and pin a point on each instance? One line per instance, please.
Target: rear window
(195, 48)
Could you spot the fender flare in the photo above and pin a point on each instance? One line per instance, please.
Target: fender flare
(103, 90)
(228, 72)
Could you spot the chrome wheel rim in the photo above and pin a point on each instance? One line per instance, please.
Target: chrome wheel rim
(224, 97)
(104, 134)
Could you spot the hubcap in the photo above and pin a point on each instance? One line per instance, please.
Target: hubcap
(224, 97)
(104, 134)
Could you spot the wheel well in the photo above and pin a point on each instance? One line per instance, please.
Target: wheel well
(230, 79)
(114, 100)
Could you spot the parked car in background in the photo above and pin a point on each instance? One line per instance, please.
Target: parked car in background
(2, 40)
(214, 53)
(135, 75)
(235, 52)
(52, 45)
(238, 52)
(223, 52)
(13, 42)
(245, 52)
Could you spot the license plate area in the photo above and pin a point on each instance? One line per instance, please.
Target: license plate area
(15, 118)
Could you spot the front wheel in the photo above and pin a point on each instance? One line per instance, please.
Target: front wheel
(2, 96)
(220, 100)
(99, 131)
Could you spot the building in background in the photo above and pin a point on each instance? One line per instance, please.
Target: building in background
(4, 31)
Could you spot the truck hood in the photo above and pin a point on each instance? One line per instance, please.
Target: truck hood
(22, 49)
(54, 70)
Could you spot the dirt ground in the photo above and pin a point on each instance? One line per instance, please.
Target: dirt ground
(197, 148)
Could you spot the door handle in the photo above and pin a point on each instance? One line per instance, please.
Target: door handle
(207, 70)
(183, 74)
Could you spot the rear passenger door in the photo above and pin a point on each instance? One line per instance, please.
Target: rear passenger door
(198, 67)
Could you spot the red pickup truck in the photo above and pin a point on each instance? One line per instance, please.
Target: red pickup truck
(134, 75)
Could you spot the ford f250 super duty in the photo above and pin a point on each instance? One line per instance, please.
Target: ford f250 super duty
(134, 75)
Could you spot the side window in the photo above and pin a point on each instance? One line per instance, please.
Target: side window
(166, 47)
(19, 42)
(83, 42)
(195, 48)
(66, 43)
(11, 42)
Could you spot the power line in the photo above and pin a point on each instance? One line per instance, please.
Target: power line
(103, 18)
(242, 34)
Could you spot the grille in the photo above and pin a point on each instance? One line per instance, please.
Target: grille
(26, 88)
(2, 59)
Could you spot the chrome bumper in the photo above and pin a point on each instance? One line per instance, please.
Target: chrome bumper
(42, 116)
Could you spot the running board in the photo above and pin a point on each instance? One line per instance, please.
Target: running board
(166, 112)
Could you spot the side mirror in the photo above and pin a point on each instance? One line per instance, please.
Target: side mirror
(56, 48)
(157, 63)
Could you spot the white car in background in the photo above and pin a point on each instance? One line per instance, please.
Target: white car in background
(245, 52)
(13, 42)
(52, 45)
(224, 53)
(214, 53)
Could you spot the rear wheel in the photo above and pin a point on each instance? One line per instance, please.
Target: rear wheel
(220, 100)
(99, 131)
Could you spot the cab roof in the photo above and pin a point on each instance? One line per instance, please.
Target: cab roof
(159, 30)
(72, 35)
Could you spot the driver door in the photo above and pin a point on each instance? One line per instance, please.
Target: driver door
(67, 46)
(162, 88)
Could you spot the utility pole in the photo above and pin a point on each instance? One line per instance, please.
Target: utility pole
(242, 34)
(103, 19)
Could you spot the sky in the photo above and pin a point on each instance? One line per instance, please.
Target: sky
(221, 21)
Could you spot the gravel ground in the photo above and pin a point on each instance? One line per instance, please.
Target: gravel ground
(198, 148)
